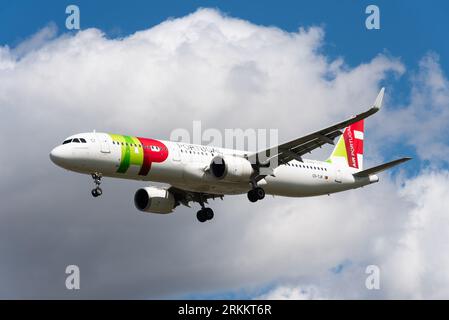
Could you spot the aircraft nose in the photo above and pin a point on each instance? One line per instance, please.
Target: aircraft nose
(59, 155)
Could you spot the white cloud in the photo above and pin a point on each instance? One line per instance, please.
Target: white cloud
(423, 122)
(292, 293)
(37, 41)
(417, 266)
(230, 74)
(409, 247)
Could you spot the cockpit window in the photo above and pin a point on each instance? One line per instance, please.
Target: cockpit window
(76, 140)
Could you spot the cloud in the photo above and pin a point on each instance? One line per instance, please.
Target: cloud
(37, 41)
(229, 73)
(416, 260)
(422, 123)
(292, 293)
(412, 234)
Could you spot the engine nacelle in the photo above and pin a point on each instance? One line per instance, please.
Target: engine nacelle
(154, 200)
(230, 168)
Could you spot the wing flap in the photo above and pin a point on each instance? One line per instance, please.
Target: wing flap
(185, 196)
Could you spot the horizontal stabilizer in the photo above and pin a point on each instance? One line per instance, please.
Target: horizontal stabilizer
(382, 167)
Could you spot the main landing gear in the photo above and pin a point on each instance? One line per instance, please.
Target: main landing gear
(96, 192)
(256, 194)
(204, 214)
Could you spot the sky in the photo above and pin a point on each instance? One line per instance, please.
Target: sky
(147, 68)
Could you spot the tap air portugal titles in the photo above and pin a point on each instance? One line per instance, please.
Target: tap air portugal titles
(198, 173)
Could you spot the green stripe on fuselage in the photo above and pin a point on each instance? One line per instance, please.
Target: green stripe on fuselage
(135, 150)
(131, 152)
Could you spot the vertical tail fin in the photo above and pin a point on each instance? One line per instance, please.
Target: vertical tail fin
(348, 151)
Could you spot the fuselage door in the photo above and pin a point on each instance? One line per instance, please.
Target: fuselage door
(338, 175)
(104, 141)
(176, 156)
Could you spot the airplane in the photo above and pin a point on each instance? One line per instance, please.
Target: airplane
(197, 173)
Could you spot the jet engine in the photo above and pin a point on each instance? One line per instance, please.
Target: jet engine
(231, 168)
(154, 200)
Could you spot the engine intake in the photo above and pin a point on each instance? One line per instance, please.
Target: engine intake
(154, 200)
(231, 168)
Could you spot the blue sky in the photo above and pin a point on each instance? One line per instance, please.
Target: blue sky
(409, 30)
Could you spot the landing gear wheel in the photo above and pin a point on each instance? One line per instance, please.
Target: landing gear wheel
(252, 196)
(260, 193)
(97, 192)
(205, 214)
(209, 213)
(256, 194)
(201, 216)
(97, 180)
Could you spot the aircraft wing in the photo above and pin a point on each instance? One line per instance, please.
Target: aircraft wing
(295, 149)
(185, 196)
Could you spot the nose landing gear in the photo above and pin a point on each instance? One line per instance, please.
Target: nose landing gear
(96, 192)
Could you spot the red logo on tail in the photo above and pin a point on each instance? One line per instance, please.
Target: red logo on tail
(353, 137)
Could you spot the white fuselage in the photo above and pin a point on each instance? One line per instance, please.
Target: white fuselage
(186, 167)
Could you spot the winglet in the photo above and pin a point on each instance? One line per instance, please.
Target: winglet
(378, 103)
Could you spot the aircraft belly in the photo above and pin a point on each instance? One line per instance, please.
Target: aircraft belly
(214, 188)
(294, 182)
